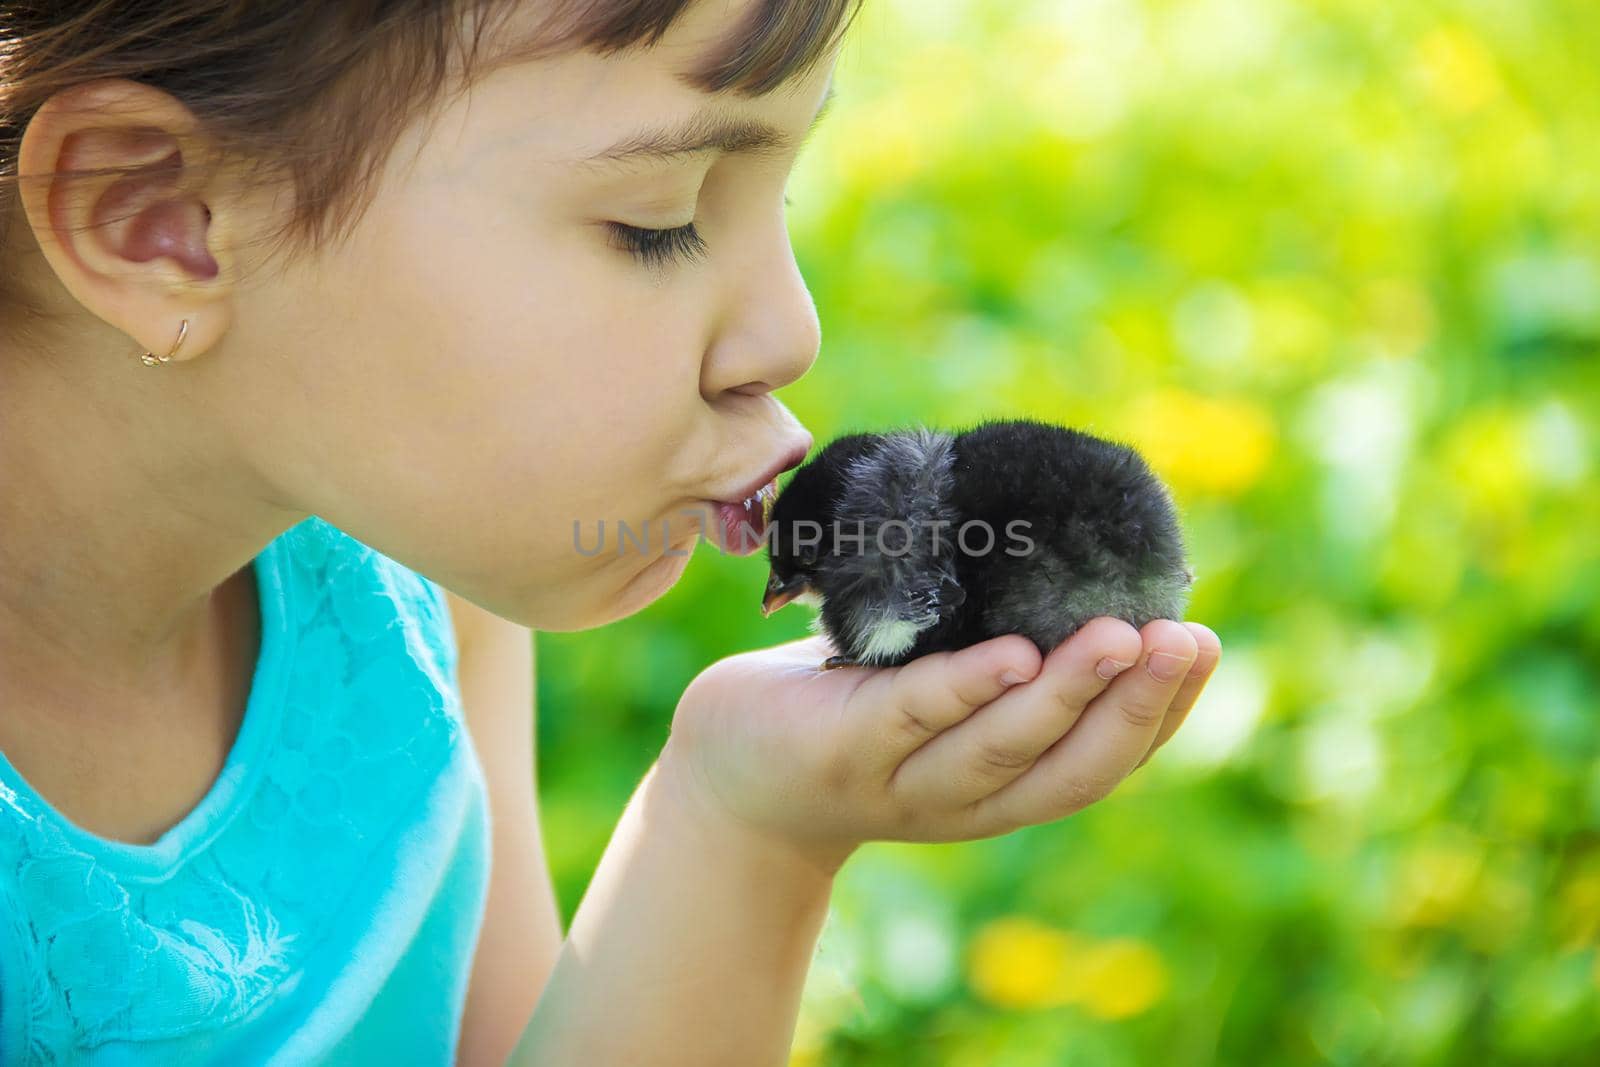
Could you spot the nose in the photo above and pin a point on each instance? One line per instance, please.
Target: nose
(771, 332)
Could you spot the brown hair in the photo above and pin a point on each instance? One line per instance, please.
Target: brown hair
(320, 93)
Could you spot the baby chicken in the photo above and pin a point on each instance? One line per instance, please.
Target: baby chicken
(920, 540)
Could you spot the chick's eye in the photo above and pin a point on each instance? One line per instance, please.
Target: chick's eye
(657, 247)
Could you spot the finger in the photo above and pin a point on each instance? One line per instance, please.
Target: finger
(1114, 732)
(896, 710)
(996, 745)
(1200, 673)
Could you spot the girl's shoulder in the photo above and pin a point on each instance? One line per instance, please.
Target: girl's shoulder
(351, 785)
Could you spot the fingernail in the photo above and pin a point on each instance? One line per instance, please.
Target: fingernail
(1011, 678)
(1109, 668)
(1164, 666)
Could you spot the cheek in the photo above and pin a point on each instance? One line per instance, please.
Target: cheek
(476, 389)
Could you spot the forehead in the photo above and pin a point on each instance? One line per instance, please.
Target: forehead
(749, 46)
(579, 103)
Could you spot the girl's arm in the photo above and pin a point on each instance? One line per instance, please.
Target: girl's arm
(690, 946)
(692, 943)
(521, 931)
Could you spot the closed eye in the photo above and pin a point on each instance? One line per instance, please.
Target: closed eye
(658, 247)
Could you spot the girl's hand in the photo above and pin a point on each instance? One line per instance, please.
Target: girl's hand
(945, 748)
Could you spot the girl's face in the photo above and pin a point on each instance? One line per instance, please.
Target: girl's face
(485, 364)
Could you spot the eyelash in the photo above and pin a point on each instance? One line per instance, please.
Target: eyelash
(656, 247)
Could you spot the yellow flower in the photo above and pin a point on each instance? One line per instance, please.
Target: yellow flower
(1019, 963)
(1199, 443)
(1121, 977)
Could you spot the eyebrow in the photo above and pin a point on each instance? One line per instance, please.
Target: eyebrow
(708, 130)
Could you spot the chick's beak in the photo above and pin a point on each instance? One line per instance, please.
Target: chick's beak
(780, 593)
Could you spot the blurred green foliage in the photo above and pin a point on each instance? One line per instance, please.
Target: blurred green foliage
(1332, 266)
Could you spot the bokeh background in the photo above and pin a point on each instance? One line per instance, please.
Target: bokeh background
(1334, 267)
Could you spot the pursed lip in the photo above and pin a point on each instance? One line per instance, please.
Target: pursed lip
(791, 457)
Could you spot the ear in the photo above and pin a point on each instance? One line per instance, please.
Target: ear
(114, 183)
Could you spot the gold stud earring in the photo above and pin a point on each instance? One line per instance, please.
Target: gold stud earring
(150, 359)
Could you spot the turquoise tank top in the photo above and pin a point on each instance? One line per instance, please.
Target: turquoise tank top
(322, 902)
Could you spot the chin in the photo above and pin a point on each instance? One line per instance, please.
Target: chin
(650, 584)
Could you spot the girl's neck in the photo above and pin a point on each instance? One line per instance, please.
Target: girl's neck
(122, 517)
(129, 764)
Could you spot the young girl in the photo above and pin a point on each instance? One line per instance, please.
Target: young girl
(313, 312)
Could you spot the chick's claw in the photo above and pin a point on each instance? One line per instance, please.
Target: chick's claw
(834, 662)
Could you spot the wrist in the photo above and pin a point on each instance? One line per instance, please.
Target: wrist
(693, 800)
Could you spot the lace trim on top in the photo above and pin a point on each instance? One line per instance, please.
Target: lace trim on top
(352, 714)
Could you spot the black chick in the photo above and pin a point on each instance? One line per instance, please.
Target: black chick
(920, 540)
